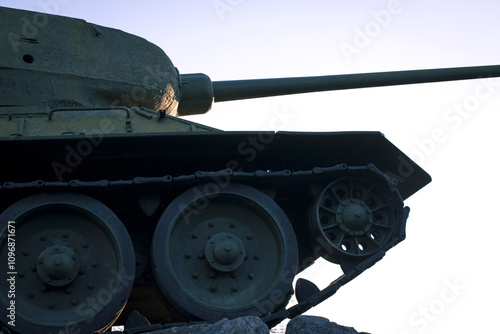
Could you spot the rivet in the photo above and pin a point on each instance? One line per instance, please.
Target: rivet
(256, 257)
(82, 271)
(249, 237)
(188, 256)
(56, 248)
(211, 275)
(234, 275)
(232, 225)
(195, 276)
(51, 305)
(211, 224)
(68, 290)
(90, 286)
(65, 235)
(74, 257)
(33, 268)
(26, 253)
(40, 261)
(201, 256)
(85, 245)
(95, 264)
(209, 236)
(251, 276)
(44, 288)
(43, 237)
(234, 288)
(194, 236)
(74, 301)
(246, 257)
(21, 275)
(31, 295)
(213, 288)
(70, 278)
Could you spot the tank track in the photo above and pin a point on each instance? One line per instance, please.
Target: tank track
(351, 269)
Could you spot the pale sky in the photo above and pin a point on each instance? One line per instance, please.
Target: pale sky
(444, 277)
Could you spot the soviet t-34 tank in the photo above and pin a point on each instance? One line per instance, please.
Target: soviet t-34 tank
(110, 203)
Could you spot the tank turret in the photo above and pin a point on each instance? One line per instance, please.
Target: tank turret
(72, 63)
(118, 206)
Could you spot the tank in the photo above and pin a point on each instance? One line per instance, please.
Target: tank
(110, 203)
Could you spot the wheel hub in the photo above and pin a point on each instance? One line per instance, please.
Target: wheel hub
(354, 216)
(225, 252)
(57, 265)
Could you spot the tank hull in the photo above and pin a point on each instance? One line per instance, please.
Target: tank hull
(91, 158)
(138, 177)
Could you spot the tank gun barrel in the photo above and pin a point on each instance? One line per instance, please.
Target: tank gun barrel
(247, 89)
(220, 91)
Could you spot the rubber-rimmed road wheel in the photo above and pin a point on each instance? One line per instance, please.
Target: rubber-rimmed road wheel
(70, 262)
(224, 251)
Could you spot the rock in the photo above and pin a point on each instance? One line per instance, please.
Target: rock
(253, 325)
(315, 325)
(188, 329)
(243, 325)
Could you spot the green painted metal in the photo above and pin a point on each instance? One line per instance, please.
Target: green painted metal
(74, 266)
(93, 154)
(225, 253)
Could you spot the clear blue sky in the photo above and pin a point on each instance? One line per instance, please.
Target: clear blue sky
(444, 277)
